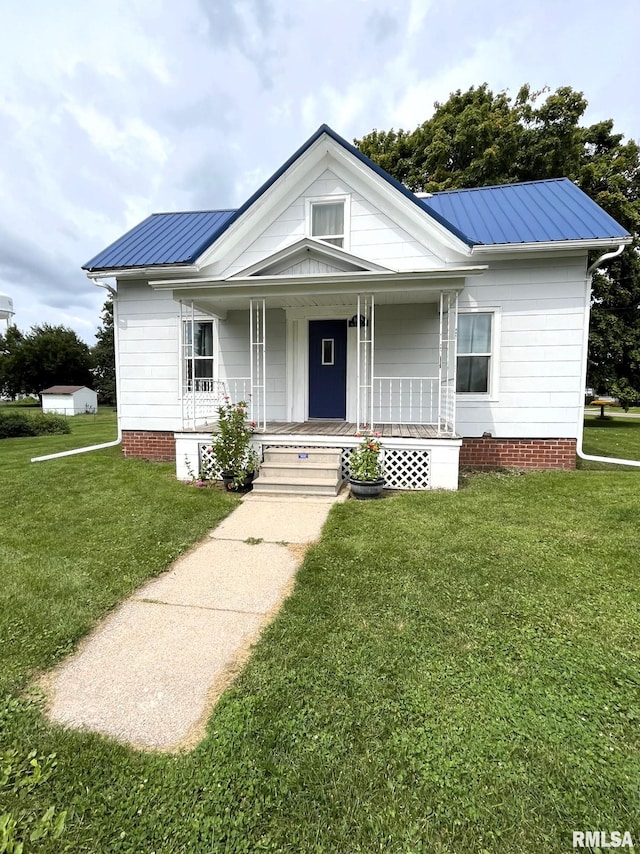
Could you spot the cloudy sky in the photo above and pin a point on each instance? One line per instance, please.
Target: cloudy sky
(113, 109)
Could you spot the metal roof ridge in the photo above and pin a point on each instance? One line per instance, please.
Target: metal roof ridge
(499, 186)
(204, 211)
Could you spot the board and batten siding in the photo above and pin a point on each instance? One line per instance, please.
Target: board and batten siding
(149, 377)
(374, 236)
(537, 388)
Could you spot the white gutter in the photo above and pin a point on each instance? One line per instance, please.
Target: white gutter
(559, 245)
(585, 348)
(118, 439)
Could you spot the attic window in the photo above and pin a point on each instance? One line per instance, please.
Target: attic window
(327, 221)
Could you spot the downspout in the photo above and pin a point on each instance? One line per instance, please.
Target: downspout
(585, 347)
(118, 439)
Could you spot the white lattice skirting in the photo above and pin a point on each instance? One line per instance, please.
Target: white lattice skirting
(408, 464)
(403, 469)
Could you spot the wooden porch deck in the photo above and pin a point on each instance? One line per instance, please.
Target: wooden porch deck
(344, 428)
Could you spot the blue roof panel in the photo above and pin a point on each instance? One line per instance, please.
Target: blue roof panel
(164, 238)
(531, 212)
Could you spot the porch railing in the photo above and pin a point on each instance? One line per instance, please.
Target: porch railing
(405, 400)
(203, 396)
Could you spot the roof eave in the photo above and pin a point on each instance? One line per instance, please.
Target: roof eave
(550, 245)
(142, 272)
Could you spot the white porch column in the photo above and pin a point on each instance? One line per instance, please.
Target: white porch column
(447, 361)
(257, 360)
(365, 312)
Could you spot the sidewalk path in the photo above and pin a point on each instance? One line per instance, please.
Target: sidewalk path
(151, 672)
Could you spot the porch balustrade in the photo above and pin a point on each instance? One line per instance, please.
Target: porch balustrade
(405, 400)
(204, 395)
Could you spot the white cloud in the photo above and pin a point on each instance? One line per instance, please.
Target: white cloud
(115, 109)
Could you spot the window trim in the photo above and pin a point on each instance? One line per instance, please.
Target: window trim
(493, 374)
(345, 198)
(186, 359)
(328, 358)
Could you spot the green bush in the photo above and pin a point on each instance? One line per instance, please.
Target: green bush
(15, 424)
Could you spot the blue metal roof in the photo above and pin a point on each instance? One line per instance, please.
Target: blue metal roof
(163, 238)
(531, 212)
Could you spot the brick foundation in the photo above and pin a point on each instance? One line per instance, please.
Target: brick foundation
(519, 453)
(149, 445)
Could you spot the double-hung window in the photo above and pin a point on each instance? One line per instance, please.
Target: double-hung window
(198, 355)
(327, 220)
(475, 333)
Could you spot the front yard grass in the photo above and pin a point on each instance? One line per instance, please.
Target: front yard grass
(454, 672)
(611, 437)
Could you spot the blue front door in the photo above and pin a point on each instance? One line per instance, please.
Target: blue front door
(327, 368)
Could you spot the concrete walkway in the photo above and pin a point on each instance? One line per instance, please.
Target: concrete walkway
(150, 674)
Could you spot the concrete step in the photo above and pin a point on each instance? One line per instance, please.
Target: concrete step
(302, 455)
(299, 469)
(281, 485)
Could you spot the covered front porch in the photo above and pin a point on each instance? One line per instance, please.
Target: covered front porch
(352, 361)
(320, 358)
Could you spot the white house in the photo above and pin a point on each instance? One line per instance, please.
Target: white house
(69, 400)
(454, 324)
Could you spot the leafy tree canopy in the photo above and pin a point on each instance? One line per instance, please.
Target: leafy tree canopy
(104, 356)
(9, 345)
(45, 356)
(478, 138)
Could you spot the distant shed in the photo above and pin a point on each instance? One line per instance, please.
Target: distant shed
(69, 400)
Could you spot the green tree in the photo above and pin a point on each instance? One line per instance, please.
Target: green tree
(9, 344)
(104, 356)
(477, 138)
(50, 355)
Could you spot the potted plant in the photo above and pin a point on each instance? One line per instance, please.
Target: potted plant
(231, 450)
(365, 467)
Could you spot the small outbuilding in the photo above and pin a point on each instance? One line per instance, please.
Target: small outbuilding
(69, 400)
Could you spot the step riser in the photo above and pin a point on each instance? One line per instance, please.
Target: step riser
(291, 457)
(293, 489)
(294, 472)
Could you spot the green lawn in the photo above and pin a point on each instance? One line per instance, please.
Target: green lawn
(611, 437)
(453, 673)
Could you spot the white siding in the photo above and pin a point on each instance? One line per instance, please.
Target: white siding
(149, 366)
(406, 340)
(374, 236)
(234, 356)
(539, 390)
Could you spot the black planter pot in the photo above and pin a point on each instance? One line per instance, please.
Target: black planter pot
(363, 489)
(228, 478)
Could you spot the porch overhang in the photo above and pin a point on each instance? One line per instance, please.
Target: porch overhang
(217, 296)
